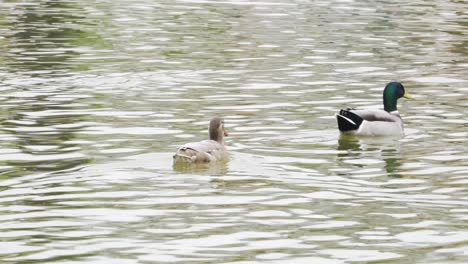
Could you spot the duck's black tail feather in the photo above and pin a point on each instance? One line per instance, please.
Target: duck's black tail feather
(348, 121)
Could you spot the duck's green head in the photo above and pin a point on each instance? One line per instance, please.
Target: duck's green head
(392, 92)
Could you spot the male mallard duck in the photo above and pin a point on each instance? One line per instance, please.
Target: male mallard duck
(375, 122)
(206, 150)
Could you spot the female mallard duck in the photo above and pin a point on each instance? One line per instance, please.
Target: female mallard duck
(375, 122)
(206, 150)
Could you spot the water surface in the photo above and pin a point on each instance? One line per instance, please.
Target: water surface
(97, 95)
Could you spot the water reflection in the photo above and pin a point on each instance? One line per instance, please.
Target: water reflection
(41, 43)
(393, 167)
(214, 168)
(348, 143)
(44, 36)
(363, 151)
(96, 95)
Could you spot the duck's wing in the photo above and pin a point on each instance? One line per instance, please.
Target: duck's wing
(203, 151)
(372, 115)
(204, 146)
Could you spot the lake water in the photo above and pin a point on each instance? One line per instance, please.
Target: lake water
(96, 96)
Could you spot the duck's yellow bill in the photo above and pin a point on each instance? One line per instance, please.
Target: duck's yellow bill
(226, 133)
(407, 95)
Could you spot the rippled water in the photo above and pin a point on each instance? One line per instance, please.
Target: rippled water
(96, 96)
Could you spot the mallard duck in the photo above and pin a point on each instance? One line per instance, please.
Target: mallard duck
(375, 122)
(206, 150)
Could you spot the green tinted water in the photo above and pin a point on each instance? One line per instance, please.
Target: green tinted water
(97, 95)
